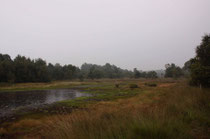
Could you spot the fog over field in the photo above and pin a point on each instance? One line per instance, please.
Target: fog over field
(145, 34)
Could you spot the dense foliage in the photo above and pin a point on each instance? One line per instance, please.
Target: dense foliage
(93, 71)
(143, 74)
(200, 65)
(173, 71)
(23, 69)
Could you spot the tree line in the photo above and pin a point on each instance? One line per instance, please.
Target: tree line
(23, 69)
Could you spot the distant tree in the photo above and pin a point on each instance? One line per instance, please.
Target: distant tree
(200, 65)
(186, 68)
(70, 72)
(6, 69)
(144, 74)
(24, 69)
(109, 73)
(58, 72)
(151, 74)
(41, 71)
(27, 70)
(85, 69)
(66, 72)
(173, 71)
(91, 74)
(137, 73)
(81, 77)
(50, 68)
(105, 71)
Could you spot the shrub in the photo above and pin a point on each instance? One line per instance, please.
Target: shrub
(133, 86)
(151, 84)
(117, 85)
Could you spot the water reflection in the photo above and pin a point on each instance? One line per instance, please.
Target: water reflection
(12, 100)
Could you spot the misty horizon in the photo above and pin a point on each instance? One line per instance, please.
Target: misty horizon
(129, 34)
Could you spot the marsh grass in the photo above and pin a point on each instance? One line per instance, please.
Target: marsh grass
(171, 110)
(43, 86)
(132, 86)
(182, 112)
(151, 84)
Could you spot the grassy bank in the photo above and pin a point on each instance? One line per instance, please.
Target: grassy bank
(8, 87)
(42, 86)
(172, 109)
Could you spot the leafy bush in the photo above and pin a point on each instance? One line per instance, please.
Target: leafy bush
(151, 84)
(133, 86)
(117, 85)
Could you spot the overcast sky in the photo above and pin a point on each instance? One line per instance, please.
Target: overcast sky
(145, 34)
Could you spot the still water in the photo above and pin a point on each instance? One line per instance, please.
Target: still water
(11, 101)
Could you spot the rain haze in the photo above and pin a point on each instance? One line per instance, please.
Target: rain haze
(145, 34)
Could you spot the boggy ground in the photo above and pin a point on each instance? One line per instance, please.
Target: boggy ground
(172, 109)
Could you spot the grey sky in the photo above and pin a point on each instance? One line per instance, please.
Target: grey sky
(145, 34)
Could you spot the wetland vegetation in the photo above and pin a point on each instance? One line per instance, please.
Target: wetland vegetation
(172, 109)
(100, 102)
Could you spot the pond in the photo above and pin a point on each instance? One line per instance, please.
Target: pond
(11, 101)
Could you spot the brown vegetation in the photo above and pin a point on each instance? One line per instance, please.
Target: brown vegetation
(166, 111)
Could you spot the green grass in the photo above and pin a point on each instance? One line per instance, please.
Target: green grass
(101, 93)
